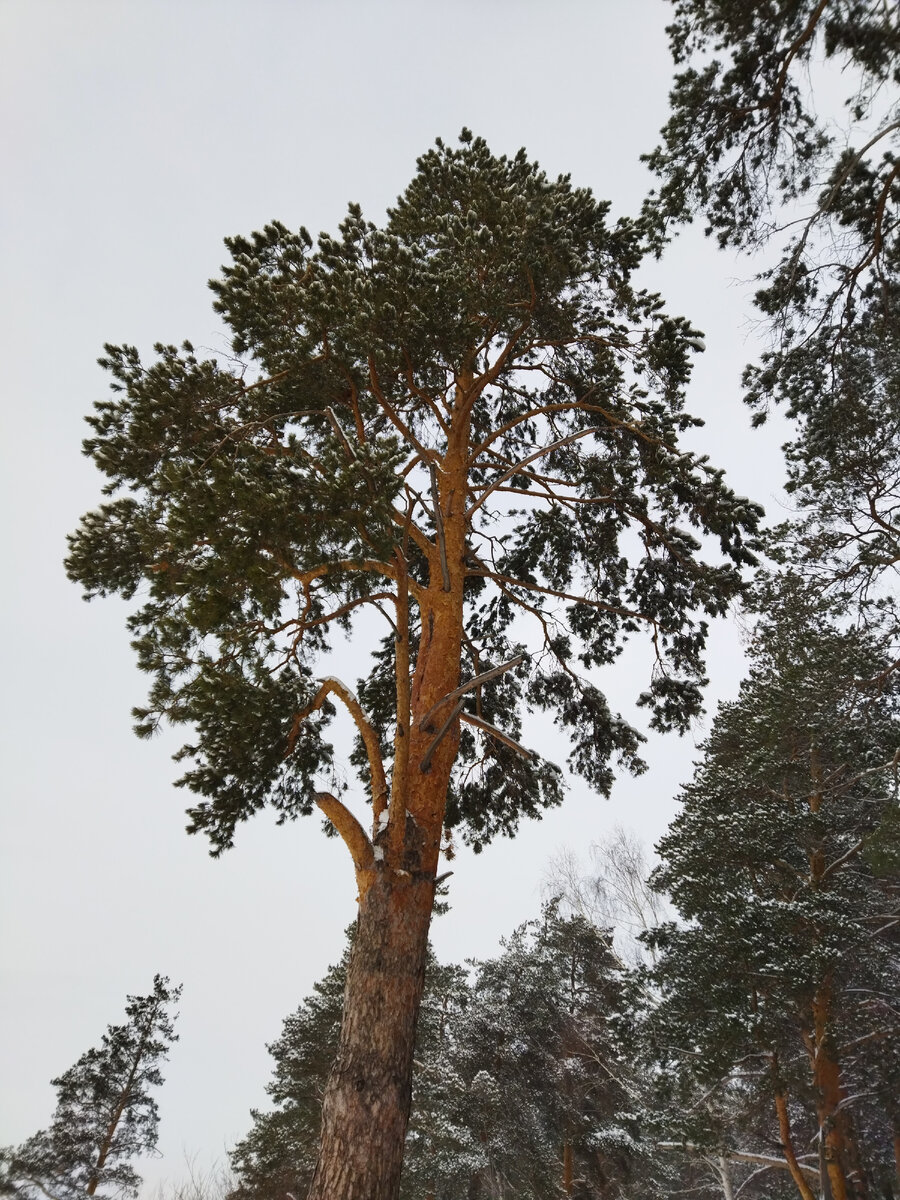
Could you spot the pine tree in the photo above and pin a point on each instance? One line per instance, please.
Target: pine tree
(105, 1113)
(781, 986)
(524, 1080)
(844, 477)
(546, 1053)
(751, 146)
(278, 1154)
(461, 423)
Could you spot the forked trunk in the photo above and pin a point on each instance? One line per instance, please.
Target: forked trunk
(365, 1110)
(366, 1106)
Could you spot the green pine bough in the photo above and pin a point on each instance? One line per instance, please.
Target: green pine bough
(465, 423)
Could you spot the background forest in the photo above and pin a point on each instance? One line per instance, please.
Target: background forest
(725, 1021)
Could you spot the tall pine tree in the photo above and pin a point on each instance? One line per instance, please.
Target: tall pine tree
(465, 423)
(784, 865)
(105, 1113)
(752, 147)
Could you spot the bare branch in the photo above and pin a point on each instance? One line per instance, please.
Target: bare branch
(514, 470)
(765, 1160)
(335, 424)
(425, 764)
(839, 862)
(352, 833)
(494, 732)
(475, 681)
(547, 591)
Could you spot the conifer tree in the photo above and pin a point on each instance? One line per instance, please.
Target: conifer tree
(525, 1081)
(278, 1154)
(844, 477)
(752, 147)
(546, 1051)
(105, 1112)
(783, 984)
(465, 423)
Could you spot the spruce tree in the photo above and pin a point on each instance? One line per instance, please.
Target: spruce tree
(465, 424)
(105, 1112)
(781, 986)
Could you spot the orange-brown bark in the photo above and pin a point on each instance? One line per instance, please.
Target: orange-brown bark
(366, 1105)
(829, 1093)
(787, 1141)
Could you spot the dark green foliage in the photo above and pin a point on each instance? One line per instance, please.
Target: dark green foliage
(784, 909)
(546, 1054)
(751, 147)
(263, 501)
(844, 474)
(105, 1113)
(278, 1154)
(534, 1051)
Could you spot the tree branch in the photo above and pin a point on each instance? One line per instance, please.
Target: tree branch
(547, 591)
(352, 833)
(425, 764)
(334, 686)
(392, 414)
(475, 681)
(400, 772)
(494, 732)
(488, 377)
(765, 1160)
(515, 470)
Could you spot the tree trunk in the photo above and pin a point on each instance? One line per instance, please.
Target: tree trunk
(568, 1168)
(365, 1109)
(787, 1141)
(724, 1168)
(366, 1106)
(829, 1093)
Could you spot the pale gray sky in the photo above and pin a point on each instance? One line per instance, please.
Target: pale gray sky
(137, 134)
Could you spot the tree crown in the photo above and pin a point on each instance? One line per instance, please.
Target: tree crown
(486, 342)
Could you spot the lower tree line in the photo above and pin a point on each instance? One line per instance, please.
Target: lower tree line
(752, 1048)
(756, 1049)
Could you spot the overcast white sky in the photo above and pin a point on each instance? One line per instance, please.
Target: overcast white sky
(137, 134)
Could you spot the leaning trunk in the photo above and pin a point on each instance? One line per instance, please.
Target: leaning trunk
(787, 1141)
(366, 1106)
